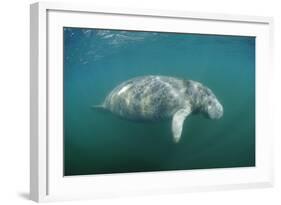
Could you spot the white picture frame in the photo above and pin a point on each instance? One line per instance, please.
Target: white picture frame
(47, 182)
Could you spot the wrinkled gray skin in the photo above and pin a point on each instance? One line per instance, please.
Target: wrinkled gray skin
(153, 98)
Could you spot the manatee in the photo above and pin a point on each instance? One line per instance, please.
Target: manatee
(155, 98)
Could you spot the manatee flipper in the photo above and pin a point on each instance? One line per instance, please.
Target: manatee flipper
(177, 122)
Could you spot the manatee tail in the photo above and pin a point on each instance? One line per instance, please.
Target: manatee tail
(98, 107)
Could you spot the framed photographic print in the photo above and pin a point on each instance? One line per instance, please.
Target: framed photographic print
(127, 102)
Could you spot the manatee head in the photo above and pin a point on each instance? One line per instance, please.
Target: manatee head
(203, 100)
(210, 106)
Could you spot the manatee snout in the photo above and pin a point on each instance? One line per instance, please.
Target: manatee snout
(215, 110)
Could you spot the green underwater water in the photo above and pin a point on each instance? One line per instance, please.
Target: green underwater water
(97, 142)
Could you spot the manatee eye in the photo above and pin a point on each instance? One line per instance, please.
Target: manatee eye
(209, 102)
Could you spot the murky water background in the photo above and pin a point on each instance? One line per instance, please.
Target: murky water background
(95, 61)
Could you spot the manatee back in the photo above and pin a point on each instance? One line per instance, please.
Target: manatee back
(146, 98)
